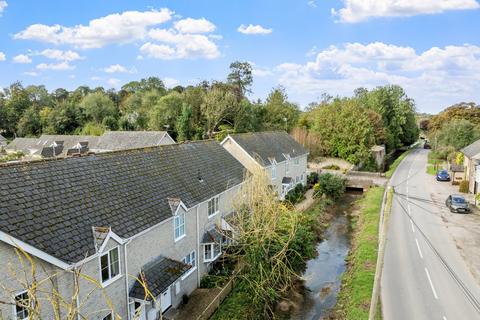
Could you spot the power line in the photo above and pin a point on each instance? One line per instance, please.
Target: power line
(470, 296)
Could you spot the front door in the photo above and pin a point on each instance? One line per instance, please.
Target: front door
(166, 299)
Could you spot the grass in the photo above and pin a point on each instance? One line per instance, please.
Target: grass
(431, 170)
(396, 163)
(237, 306)
(357, 283)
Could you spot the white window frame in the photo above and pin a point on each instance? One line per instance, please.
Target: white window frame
(296, 161)
(15, 306)
(273, 172)
(212, 251)
(109, 266)
(194, 265)
(215, 204)
(176, 220)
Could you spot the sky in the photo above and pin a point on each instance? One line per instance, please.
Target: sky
(310, 47)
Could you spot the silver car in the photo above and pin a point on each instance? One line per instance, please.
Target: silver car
(457, 203)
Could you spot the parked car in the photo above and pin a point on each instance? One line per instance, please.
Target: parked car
(457, 203)
(442, 175)
(426, 145)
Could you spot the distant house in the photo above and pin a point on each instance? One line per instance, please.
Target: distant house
(471, 163)
(123, 140)
(152, 214)
(283, 158)
(3, 142)
(50, 146)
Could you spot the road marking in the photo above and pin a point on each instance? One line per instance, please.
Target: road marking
(411, 222)
(419, 251)
(444, 318)
(431, 284)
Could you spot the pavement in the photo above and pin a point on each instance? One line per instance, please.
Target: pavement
(430, 255)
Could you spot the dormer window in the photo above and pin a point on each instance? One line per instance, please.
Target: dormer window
(213, 207)
(110, 266)
(179, 222)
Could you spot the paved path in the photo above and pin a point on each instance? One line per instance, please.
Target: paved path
(424, 274)
(307, 203)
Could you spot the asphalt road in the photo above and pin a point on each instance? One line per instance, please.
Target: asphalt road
(424, 275)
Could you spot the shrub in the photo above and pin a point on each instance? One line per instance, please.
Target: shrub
(312, 179)
(463, 188)
(296, 194)
(330, 185)
(331, 167)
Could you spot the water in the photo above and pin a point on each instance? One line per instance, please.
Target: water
(322, 274)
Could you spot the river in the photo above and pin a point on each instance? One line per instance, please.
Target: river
(322, 277)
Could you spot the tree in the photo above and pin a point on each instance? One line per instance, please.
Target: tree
(29, 124)
(217, 106)
(240, 77)
(280, 114)
(165, 112)
(183, 124)
(458, 134)
(97, 106)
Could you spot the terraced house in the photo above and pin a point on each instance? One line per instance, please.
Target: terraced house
(110, 225)
(283, 158)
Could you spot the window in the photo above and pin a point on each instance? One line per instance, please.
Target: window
(212, 252)
(296, 161)
(22, 302)
(108, 317)
(286, 167)
(212, 206)
(274, 171)
(179, 226)
(110, 265)
(190, 259)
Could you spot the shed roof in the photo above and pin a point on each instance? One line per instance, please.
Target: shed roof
(472, 149)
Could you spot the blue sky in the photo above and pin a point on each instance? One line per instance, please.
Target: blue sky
(430, 47)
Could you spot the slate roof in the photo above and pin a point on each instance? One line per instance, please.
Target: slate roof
(34, 146)
(212, 236)
(158, 276)
(265, 146)
(472, 150)
(122, 140)
(53, 204)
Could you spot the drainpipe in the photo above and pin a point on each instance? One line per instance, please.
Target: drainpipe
(126, 278)
(77, 284)
(198, 249)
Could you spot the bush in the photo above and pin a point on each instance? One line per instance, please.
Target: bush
(296, 194)
(463, 188)
(312, 179)
(331, 167)
(330, 185)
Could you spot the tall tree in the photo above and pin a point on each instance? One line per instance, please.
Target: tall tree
(217, 106)
(240, 77)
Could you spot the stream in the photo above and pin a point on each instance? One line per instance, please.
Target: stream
(322, 275)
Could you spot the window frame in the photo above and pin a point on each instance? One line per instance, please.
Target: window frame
(212, 251)
(216, 206)
(194, 266)
(180, 226)
(109, 266)
(273, 172)
(15, 306)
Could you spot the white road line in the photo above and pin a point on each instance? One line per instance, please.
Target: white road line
(419, 251)
(431, 284)
(411, 222)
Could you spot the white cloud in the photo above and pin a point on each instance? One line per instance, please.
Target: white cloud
(170, 82)
(258, 71)
(360, 10)
(31, 73)
(113, 82)
(96, 78)
(3, 57)
(61, 66)
(22, 58)
(176, 45)
(60, 55)
(435, 78)
(312, 3)
(253, 29)
(190, 25)
(117, 68)
(118, 28)
(3, 5)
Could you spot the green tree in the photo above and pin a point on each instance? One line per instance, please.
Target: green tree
(165, 112)
(218, 105)
(458, 134)
(240, 78)
(29, 124)
(183, 124)
(97, 106)
(279, 113)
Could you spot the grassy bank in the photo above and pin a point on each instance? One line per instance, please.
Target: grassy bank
(396, 163)
(357, 283)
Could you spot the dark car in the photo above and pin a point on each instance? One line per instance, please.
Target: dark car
(442, 175)
(457, 203)
(426, 145)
